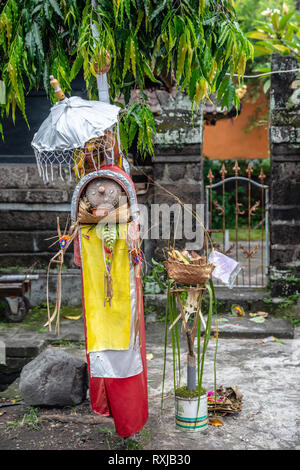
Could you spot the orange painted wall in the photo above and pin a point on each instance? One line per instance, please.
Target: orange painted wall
(227, 139)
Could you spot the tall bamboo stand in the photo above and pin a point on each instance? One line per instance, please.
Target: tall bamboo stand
(190, 332)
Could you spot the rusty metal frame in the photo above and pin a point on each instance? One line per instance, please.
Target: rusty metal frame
(264, 202)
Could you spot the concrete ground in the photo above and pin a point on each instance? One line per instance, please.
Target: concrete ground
(267, 374)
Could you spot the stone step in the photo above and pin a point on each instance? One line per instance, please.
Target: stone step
(16, 220)
(42, 195)
(13, 260)
(22, 345)
(27, 177)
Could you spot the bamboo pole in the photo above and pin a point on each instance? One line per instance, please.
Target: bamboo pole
(102, 83)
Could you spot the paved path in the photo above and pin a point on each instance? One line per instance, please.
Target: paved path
(267, 374)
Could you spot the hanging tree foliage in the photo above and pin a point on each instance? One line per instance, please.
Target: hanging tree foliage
(196, 45)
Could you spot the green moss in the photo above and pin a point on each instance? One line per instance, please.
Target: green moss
(37, 316)
(185, 393)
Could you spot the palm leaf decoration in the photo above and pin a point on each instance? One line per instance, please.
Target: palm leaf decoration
(110, 235)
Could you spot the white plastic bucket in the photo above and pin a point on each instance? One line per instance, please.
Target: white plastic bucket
(188, 416)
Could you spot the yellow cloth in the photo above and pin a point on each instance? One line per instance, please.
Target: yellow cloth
(106, 327)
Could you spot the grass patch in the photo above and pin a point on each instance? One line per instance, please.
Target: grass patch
(183, 392)
(255, 235)
(29, 420)
(114, 442)
(37, 317)
(287, 308)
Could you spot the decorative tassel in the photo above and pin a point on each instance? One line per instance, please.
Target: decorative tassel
(139, 304)
(108, 288)
(110, 234)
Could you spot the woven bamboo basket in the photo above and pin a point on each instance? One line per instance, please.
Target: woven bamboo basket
(197, 272)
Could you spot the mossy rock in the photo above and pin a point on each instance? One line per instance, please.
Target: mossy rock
(183, 392)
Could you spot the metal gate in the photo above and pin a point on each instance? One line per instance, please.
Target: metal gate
(247, 238)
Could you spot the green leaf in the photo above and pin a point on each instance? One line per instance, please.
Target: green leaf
(36, 9)
(207, 61)
(289, 33)
(149, 72)
(228, 95)
(46, 77)
(30, 43)
(132, 132)
(181, 53)
(280, 48)
(55, 7)
(157, 10)
(237, 311)
(126, 56)
(133, 56)
(127, 9)
(283, 21)
(123, 136)
(46, 11)
(257, 35)
(77, 64)
(267, 85)
(166, 19)
(222, 74)
(139, 21)
(37, 38)
(201, 6)
(223, 35)
(258, 319)
(195, 76)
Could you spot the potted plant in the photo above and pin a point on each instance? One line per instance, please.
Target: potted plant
(189, 276)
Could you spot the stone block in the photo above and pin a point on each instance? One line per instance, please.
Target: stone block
(282, 288)
(176, 127)
(16, 220)
(187, 193)
(9, 260)
(28, 196)
(11, 370)
(27, 177)
(288, 152)
(284, 256)
(22, 242)
(26, 345)
(285, 212)
(176, 171)
(287, 233)
(284, 117)
(280, 83)
(285, 178)
(285, 134)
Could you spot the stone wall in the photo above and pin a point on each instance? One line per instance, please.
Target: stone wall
(284, 134)
(177, 166)
(28, 213)
(177, 177)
